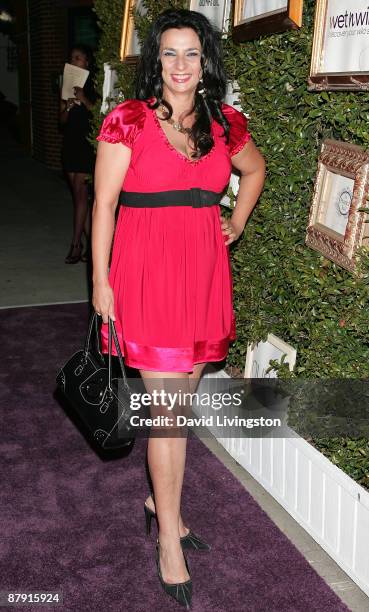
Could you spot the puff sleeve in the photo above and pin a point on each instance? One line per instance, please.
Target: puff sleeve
(124, 123)
(238, 132)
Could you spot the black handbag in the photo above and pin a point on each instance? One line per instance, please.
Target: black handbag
(101, 401)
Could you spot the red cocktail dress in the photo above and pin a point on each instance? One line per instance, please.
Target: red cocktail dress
(170, 269)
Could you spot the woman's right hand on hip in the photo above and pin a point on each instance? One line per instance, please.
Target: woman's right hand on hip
(103, 301)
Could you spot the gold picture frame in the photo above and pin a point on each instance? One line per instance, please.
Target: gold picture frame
(337, 226)
(250, 22)
(339, 55)
(129, 43)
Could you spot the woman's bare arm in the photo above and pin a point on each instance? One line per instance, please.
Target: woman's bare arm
(112, 163)
(251, 164)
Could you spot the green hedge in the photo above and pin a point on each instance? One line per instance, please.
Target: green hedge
(281, 285)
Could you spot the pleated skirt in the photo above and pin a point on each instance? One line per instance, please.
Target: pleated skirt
(172, 282)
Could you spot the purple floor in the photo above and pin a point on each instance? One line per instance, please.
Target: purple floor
(74, 522)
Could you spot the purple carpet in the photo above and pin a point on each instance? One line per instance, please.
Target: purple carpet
(73, 521)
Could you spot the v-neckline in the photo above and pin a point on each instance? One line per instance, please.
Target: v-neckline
(173, 148)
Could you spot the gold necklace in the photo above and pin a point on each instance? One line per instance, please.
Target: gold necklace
(177, 125)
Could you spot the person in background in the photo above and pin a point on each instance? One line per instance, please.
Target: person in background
(77, 153)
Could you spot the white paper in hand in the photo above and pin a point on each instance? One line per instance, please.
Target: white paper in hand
(73, 77)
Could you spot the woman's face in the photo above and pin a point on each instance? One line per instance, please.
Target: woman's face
(78, 58)
(180, 55)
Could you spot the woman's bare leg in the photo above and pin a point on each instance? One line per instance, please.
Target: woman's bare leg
(193, 383)
(166, 459)
(194, 377)
(80, 202)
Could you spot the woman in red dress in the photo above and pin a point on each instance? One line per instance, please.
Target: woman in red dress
(166, 157)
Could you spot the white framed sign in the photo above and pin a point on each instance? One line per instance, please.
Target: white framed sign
(110, 90)
(217, 11)
(259, 355)
(254, 9)
(340, 56)
(336, 200)
(254, 18)
(232, 98)
(338, 219)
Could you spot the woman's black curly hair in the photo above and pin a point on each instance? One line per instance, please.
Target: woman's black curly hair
(206, 106)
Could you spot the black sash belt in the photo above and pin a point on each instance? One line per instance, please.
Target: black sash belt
(195, 197)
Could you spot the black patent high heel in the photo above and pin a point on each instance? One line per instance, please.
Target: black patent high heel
(181, 591)
(191, 540)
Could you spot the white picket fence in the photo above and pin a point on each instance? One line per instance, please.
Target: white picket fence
(325, 501)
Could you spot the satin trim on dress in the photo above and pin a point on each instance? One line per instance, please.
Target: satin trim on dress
(172, 359)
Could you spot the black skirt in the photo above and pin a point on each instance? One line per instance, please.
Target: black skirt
(77, 153)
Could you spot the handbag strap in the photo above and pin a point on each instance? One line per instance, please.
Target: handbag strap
(98, 338)
(112, 334)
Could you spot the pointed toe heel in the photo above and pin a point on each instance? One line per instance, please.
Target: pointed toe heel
(180, 591)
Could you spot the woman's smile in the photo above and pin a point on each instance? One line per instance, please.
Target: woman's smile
(181, 78)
